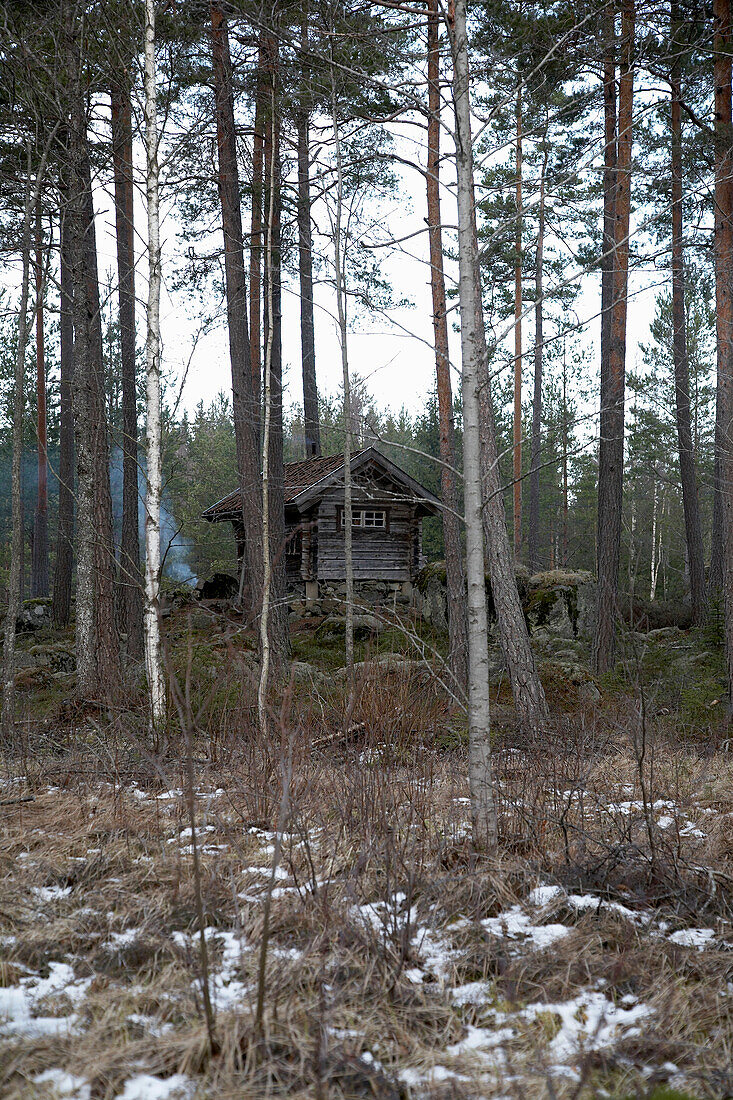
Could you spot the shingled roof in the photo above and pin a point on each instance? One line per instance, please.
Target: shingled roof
(303, 478)
(299, 476)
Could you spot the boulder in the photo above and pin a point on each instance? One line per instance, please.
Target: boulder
(334, 627)
(557, 603)
(35, 615)
(561, 603)
(304, 673)
(220, 586)
(57, 657)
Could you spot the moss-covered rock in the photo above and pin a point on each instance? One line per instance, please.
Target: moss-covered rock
(556, 603)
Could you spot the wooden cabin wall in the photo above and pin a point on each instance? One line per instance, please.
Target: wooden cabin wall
(377, 554)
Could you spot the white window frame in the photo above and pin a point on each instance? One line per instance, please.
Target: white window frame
(364, 519)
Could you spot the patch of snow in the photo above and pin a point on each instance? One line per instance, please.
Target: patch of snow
(51, 893)
(482, 1039)
(150, 1023)
(589, 1021)
(543, 895)
(65, 1084)
(693, 937)
(590, 901)
(472, 993)
(118, 940)
(514, 923)
(147, 1087)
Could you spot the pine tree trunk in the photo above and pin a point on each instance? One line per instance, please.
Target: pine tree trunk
(130, 580)
(455, 574)
(610, 153)
(536, 449)
(153, 662)
(338, 264)
(255, 245)
(7, 719)
(305, 256)
(723, 259)
(517, 426)
(39, 566)
(245, 403)
(724, 306)
(611, 451)
(97, 646)
(690, 500)
(65, 531)
(278, 624)
(483, 805)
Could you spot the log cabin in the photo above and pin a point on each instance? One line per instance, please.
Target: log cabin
(388, 507)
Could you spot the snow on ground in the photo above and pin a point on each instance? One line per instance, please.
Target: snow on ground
(52, 1003)
(147, 1087)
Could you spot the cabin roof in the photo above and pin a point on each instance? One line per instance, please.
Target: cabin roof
(307, 479)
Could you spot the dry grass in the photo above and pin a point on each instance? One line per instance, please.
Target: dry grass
(379, 905)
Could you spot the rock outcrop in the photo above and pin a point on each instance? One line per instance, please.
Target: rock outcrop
(557, 604)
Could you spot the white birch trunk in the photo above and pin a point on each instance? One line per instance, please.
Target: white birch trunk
(655, 561)
(483, 807)
(153, 662)
(267, 394)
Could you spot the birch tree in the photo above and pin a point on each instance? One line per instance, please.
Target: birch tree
(151, 618)
(483, 807)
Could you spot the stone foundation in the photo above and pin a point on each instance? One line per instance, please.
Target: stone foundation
(317, 598)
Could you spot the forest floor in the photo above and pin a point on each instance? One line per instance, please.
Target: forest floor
(594, 958)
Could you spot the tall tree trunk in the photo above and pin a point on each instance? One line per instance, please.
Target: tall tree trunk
(338, 264)
(153, 662)
(245, 403)
(305, 255)
(611, 451)
(564, 454)
(97, 645)
(536, 449)
(529, 696)
(130, 580)
(723, 257)
(65, 531)
(610, 153)
(255, 245)
(455, 574)
(278, 619)
(654, 560)
(16, 546)
(39, 566)
(690, 501)
(517, 427)
(483, 805)
(724, 305)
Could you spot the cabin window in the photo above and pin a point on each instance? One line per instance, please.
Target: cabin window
(366, 518)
